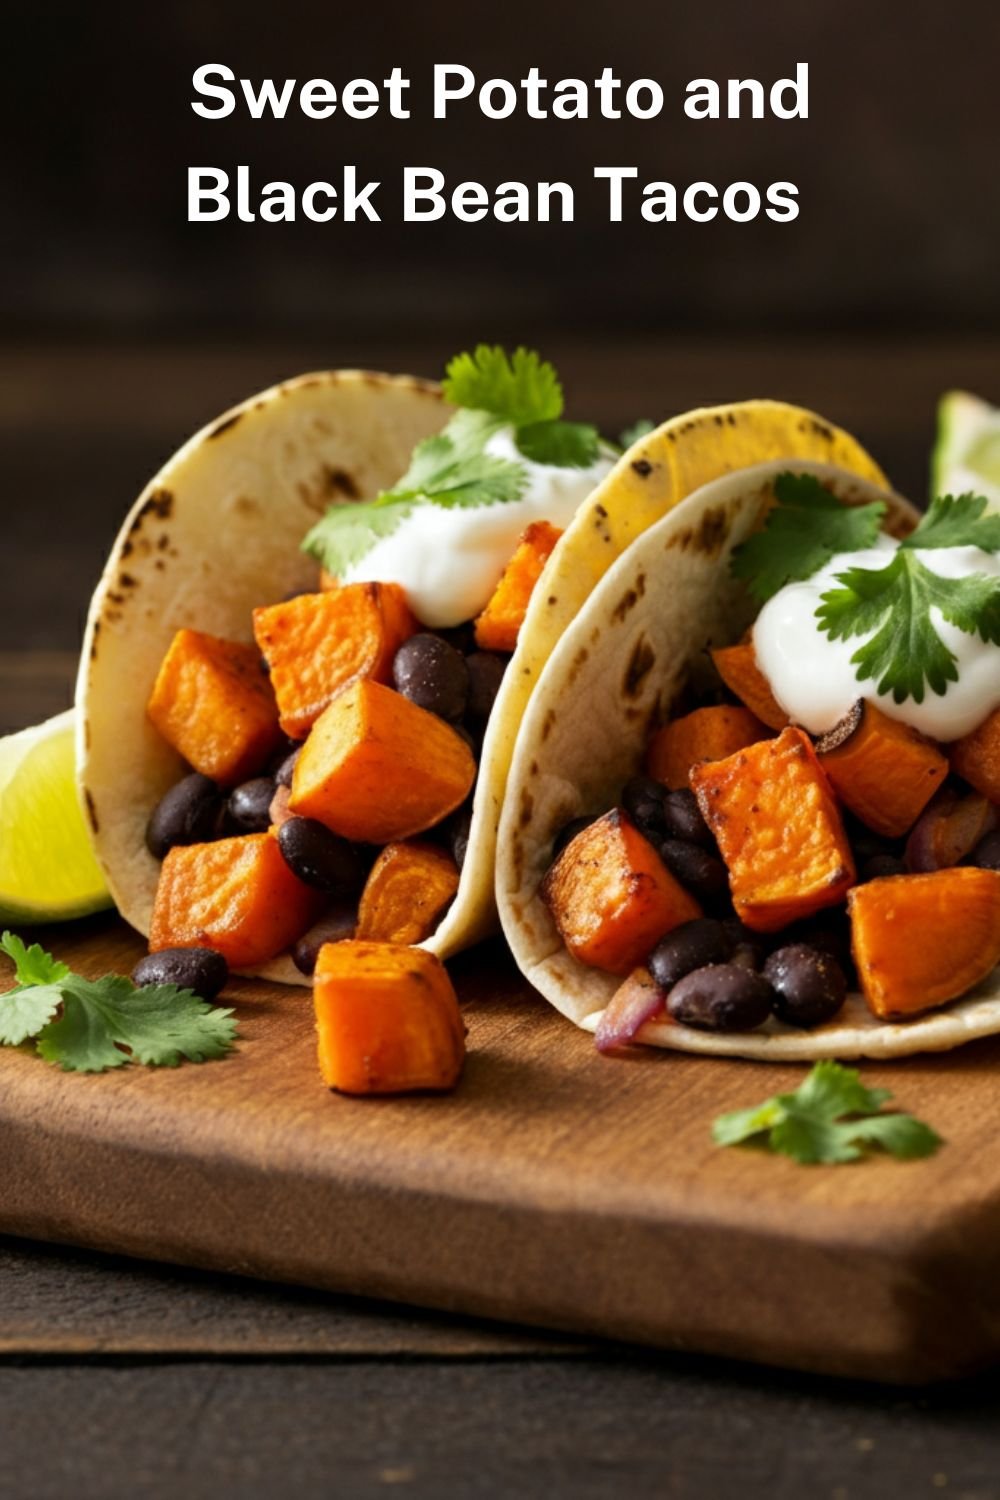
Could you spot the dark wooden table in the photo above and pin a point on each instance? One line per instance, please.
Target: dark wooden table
(118, 1378)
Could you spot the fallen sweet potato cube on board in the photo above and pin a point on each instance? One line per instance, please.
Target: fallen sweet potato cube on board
(315, 644)
(499, 625)
(778, 828)
(378, 768)
(705, 734)
(212, 701)
(387, 1019)
(234, 895)
(921, 940)
(880, 768)
(976, 757)
(407, 892)
(737, 666)
(612, 897)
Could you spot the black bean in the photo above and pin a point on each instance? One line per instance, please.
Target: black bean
(432, 674)
(187, 814)
(986, 854)
(878, 865)
(568, 833)
(684, 820)
(721, 997)
(642, 799)
(250, 805)
(199, 969)
(830, 932)
(749, 947)
(809, 985)
(336, 924)
(462, 637)
(486, 671)
(703, 874)
(320, 858)
(690, 946)
(285, 771)
(457, 834)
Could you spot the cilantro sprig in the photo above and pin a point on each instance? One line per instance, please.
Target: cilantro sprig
(493, 391)
(831, 1117)
(891, 606)
(806, 527)
(88, 1025)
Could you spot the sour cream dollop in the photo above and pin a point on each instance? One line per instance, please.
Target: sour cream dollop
(813, 678)
(449, 559)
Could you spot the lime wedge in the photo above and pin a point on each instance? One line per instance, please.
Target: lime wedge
(48, 872)
(967, 453)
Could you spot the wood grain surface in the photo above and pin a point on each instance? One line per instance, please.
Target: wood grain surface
(554, 1188)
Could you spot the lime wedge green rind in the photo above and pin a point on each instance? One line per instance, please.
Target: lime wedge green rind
(48, 872)
(967, 452)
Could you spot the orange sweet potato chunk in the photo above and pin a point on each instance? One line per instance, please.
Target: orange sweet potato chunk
(387, 1019)
(778, 829)
(976, 757)
(378, 768)
(213, 703)
(737, 666)
(706, 734)
(408, 890)
(316, 644)
(921, 940)
(880, 768)
(235, 895)
(611, 896)
(499, 625)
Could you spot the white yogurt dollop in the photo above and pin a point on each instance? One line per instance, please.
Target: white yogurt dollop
(813, 678)
(449, 560)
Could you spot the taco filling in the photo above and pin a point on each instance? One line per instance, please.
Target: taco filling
(813, 821)
(330, 763)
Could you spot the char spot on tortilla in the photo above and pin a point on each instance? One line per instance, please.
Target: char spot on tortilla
(552, 600)
(339, 482)
(126, 548)
(642, 467)
(625, 605)
(126, 581)
(91, 809)
(245, 505)
(708, 537)
(533, 768)
(93, 640)
(548, 724)
(160, 503)
(527, 809)
(224, 425)
(579, 661)
(640, 664)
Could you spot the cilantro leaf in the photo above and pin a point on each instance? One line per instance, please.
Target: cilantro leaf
(347, 532)
(831, 1117)
(83, 1025)
(521, 388)
(635, 431)
(31, 965)
(570, 445)
(806, 527)
(961, 522)
(892, 605)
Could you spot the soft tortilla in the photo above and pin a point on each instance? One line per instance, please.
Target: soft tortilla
(218, 532)
(609, 682)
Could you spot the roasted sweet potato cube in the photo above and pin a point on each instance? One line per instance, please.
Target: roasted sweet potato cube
(316, 644)
(976, 757)
(235, 895)
(387, 1019)
(737, 666)
(880, 768)
(921, 940)
(778, 829)
(498, 626)
(612, 897)
(406, 893)
(378, 768)
(706, 734)
(212, 701)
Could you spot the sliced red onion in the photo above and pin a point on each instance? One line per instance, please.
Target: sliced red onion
(635, 1001)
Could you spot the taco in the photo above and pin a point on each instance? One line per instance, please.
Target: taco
(767, 832)
(353, 786)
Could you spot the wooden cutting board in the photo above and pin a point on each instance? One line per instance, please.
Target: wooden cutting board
(555, 1187)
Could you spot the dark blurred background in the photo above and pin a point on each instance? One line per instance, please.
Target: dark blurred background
(124, 327)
